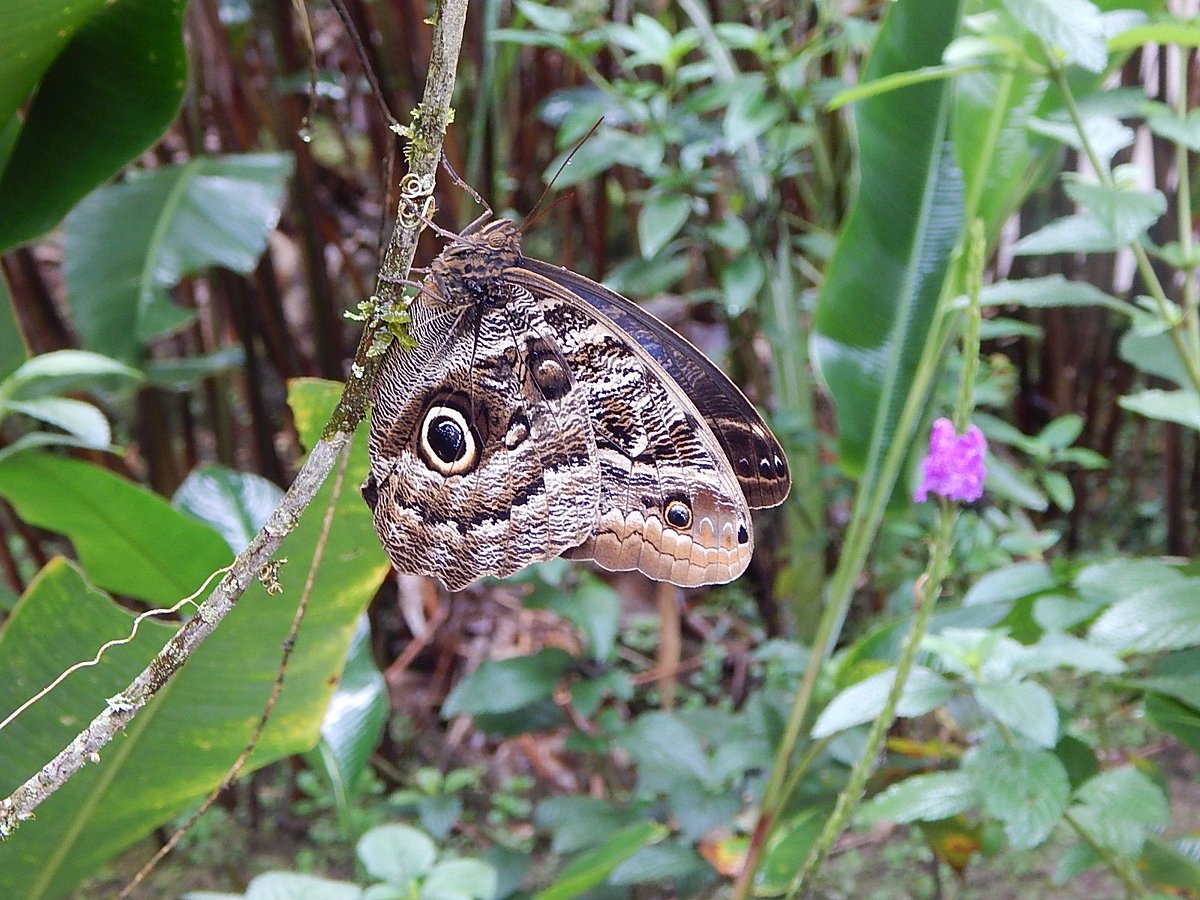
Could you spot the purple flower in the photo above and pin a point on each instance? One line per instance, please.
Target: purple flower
(954, 465)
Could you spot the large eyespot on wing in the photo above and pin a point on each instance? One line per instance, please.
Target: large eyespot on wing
(474, 469)
(670, 505)
(753, 451)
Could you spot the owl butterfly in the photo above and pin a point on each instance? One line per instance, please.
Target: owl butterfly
(540, 414)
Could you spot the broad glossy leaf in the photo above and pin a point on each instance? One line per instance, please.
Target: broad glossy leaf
(79, 419)
(460, 879)
(1024, 706)
(1072, 26)
(234, 504)
(62, 370)
(396, 853)
(129, 540)
(109, 76)
(179, 747)
(883, 283)
(128, 244)
(12, 342)
(661, 217)
(1012, 582)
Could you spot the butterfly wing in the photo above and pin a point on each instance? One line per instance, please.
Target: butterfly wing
(670, 504)
(753, 451)
(482, 456)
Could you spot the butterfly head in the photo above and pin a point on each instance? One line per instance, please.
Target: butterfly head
(468, 271)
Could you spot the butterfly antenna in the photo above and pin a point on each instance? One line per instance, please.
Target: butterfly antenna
(535, 214)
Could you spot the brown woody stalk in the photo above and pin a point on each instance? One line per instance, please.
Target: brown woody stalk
(423, 154)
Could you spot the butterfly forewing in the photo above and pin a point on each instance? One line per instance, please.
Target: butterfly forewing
(482, 456)
(754, 452)
(670, 505)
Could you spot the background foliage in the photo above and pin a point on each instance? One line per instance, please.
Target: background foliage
(791, 185)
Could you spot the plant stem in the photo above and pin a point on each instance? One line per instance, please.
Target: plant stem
(425, 149)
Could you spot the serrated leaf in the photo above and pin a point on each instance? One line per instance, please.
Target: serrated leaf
(921, 798)
(1024, 706)
(1166, 124)
(1011, 582)
(1154, 354)
(1116, 579)
(862, 702)
(1162, 617)
(1127, 214)
(1073, 26)
(1115, 809)
(500, 686)
(589, 869)
(1181, 407)
(1025, 788)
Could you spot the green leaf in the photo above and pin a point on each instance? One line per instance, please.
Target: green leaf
(1012, 582)
(593, 606)
(298, 886)
(129, 540)
(60, 371)
(1051, 291)
(1181, 407)
(546, 18)
(1024, 706)
(354, 721)
(664, 748)
(862, 702)
(659, 862)
(660, 219)
(396, 853)
(1078, 233)
(182, 374)
(1166, 124)
(591, 868)
(1072, 26)
(883, 283)
(741, 280)
(1116, 808)
(78, 130)
(75, 417)
(128, 244)
(1162, 617)
(1025, 788)
(500, 686)
(921, 798)
(1127, 214)
(179, 747)
(576, 822)
(1154, 354)
(1116, 579)
(460, 879)
(12, 341)
(234, 504)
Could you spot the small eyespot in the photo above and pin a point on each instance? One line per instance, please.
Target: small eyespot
(678, 514)
(742, 467)
(781, 469)
(765, 469)
(743, 534)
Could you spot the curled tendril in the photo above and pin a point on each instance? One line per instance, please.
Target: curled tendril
(414, 189)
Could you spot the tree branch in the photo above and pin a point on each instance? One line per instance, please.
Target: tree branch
(424, 150)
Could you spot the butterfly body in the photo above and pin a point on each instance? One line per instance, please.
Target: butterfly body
(540, 414)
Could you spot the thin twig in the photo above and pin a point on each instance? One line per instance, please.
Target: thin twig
(423, 152)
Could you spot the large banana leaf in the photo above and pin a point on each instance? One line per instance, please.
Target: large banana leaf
(883, 284)
(177, 748)
(106, 78)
